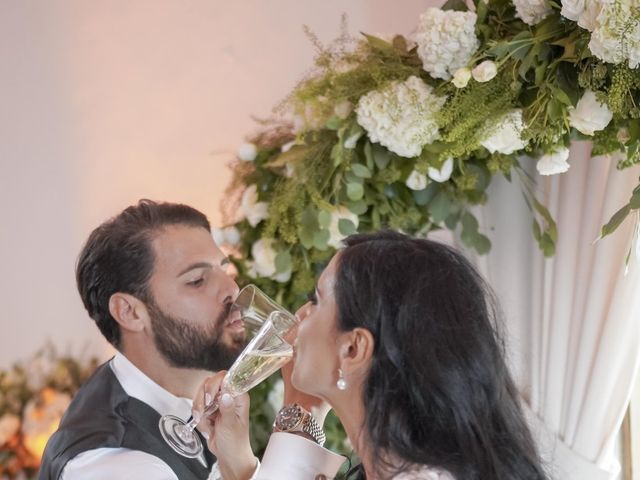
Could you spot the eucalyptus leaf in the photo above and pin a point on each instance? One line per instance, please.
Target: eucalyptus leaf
(306, 237)
(358, 207)
(321, 239)
(381, 156)
(346, 227)
(283, 261)
(355, 191)
(439, 207)
(423, 197)
(361, 170)
(482, 244)
(324, 219)
(368, 155)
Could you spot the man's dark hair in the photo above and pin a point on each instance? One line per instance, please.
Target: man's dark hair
(438, 391)
(118, 257)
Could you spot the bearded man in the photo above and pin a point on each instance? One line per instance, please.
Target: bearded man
(158, 289)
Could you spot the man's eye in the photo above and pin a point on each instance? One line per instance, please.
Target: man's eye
(196, 283)
(311, 297)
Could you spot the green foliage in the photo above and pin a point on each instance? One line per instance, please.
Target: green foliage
(336, 179)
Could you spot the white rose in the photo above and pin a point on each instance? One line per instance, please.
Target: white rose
(253, 210)
(485, 71)
(9, 426)
(461, 77)
(444, 173)
(229, 236)
(553, 163)
(572, 9)
(276, 395)
(264, 261)
(247, 152)
(506, 136)
(416, 181)
(343, 109)
(589, 115)
(339, 213)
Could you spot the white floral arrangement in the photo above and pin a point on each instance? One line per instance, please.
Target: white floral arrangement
(407, 133)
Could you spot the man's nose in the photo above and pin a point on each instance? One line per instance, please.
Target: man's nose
(228, 289)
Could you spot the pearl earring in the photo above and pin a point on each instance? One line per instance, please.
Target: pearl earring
(341, 383)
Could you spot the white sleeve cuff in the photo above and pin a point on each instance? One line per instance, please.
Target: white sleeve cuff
(296, 458)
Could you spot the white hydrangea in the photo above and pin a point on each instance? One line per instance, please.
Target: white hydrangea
(616, 37)
(532, 12)
(264, 261)
(554, 162)
(572, 9)
(401, 116)
(589, 18)
(251, 209)
(506, 137)
(339, 213)
(589, 115)
(446, 41)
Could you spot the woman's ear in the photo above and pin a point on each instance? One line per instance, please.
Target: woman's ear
(130, 313)
(356, 350)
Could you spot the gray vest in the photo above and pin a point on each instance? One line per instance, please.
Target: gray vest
(102, 415)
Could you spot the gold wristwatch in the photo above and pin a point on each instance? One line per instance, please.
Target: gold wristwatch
(294, 418)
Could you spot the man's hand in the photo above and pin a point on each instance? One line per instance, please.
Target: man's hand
(227, 429)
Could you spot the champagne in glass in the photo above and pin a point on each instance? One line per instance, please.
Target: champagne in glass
(263, 356)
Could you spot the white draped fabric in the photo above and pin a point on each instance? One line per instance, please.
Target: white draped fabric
(573, 321)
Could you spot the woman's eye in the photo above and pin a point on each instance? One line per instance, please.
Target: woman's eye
(196, 283)
(311, 297)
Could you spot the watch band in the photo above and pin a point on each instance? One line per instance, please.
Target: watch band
(294, 418)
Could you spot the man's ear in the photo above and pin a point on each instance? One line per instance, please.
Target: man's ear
(356, 351)
(130, 313)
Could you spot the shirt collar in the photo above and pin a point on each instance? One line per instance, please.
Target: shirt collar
(136, 384)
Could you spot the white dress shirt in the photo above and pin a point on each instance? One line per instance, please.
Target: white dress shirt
(293, 456)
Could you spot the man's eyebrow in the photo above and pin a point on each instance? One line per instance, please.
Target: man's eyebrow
(193, 266)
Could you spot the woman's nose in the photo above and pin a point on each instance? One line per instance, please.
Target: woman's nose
(303, 311)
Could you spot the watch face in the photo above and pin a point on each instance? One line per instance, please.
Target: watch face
(289, 417)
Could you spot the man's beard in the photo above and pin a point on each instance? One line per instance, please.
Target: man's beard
(185, 345)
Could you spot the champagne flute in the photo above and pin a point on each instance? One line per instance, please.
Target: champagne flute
(266, 353)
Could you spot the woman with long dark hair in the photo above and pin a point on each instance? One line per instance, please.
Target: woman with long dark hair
(401, 339)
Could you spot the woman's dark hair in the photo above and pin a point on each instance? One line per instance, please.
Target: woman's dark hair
(118, 257)
(438, 391)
